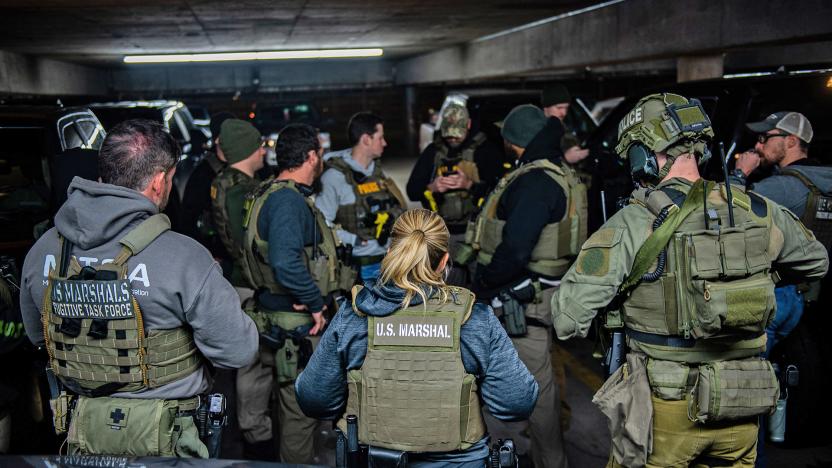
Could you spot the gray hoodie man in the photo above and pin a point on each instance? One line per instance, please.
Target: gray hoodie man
(175, 280)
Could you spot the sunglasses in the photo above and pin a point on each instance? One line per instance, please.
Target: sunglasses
(763, 137)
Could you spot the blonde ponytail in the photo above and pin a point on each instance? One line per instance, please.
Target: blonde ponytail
(418, 242)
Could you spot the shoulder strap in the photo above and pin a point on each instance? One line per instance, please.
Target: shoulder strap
(339, 165)
(141, 236)
(355, 290)
(803, 179)
(660, 237)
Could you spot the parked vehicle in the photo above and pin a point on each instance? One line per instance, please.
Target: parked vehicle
(41, 149)
(271, 118)
(176, 118)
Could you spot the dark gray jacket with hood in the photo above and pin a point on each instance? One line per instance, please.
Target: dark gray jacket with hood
(175, 280)
(506, 387)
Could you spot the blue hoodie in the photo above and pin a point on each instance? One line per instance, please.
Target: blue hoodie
(506, 387)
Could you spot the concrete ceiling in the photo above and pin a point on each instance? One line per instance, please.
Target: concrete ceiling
(102, 31)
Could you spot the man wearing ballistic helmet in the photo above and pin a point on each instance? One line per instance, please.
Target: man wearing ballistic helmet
(694, 293)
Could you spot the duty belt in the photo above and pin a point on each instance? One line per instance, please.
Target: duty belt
(660, 340)
(368, 260)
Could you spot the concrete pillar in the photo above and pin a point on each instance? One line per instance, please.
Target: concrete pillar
(699, 67)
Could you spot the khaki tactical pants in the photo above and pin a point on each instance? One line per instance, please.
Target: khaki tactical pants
(544, 426)
(678, 442)
(254, 390)
(297, 431)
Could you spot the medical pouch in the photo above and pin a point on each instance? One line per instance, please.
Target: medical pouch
(123, 426)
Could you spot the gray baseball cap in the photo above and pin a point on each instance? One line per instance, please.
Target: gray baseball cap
(794, 123)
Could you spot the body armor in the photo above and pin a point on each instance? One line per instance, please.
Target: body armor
(378, 201)
(412, 392)
(456, 206)
(558, 243)
(228, 178)
(94, 330)
(817, 215)
(321, 259)
(205, 221)
(714, 296)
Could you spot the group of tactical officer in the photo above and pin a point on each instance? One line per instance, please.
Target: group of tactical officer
(133, 315)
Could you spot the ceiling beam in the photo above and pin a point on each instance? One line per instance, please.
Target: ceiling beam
(631, 31)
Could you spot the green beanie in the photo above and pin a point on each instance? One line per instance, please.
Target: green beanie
(522, 124)
(238, 140)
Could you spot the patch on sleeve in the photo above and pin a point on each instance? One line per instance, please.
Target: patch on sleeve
(594, 259)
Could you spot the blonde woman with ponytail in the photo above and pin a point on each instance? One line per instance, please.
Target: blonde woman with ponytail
(399, 353)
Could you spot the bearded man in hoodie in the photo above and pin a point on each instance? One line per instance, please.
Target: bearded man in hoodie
(130, 312)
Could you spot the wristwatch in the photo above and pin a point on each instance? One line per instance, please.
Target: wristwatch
(739, 175)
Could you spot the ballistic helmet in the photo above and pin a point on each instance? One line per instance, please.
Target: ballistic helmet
(667, 123)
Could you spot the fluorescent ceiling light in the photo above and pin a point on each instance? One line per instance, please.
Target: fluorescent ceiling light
(266, 55)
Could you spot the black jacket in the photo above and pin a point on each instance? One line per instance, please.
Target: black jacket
(530, 203)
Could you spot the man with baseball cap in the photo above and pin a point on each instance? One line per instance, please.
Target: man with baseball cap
(798, 183)
(455, 171)
(525, 237)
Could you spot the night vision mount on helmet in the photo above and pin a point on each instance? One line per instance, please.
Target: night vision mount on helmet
(667, 123)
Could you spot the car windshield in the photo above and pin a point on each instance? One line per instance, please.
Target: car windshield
(268, 118)
(110, 116)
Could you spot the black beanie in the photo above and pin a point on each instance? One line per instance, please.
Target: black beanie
(554, 94)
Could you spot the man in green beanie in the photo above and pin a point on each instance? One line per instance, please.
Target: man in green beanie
(525, 237)
(241, 145)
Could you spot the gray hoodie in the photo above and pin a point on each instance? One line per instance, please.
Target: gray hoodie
(175, 280)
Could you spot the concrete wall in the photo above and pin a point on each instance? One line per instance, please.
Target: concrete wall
(631, 31)
(20, 74)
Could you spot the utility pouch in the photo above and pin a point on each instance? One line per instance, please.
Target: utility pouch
(286, 362)
(261, 320)
(730, 390)
(346, 278)
(464, 254)
(123, 426)
(61, 407)
(625, 401)
(514, 315)
(452, 208)
(668, 379)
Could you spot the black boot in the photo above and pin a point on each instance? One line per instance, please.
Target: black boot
(263, 450)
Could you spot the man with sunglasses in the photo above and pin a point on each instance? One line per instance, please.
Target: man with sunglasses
(798, 183)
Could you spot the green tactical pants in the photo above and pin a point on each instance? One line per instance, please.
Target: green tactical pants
(297, 431)
(678, 442)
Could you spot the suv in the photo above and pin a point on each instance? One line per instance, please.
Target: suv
(176, 118)
(41, 149)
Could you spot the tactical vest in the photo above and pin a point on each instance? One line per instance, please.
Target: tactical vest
(456, 206)
(412, 393)
(228, 178)
(94, 331)
(205, 221)
(715, 296)
(377, 199)
(817, 215)
(321, 260)
(559, 242)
